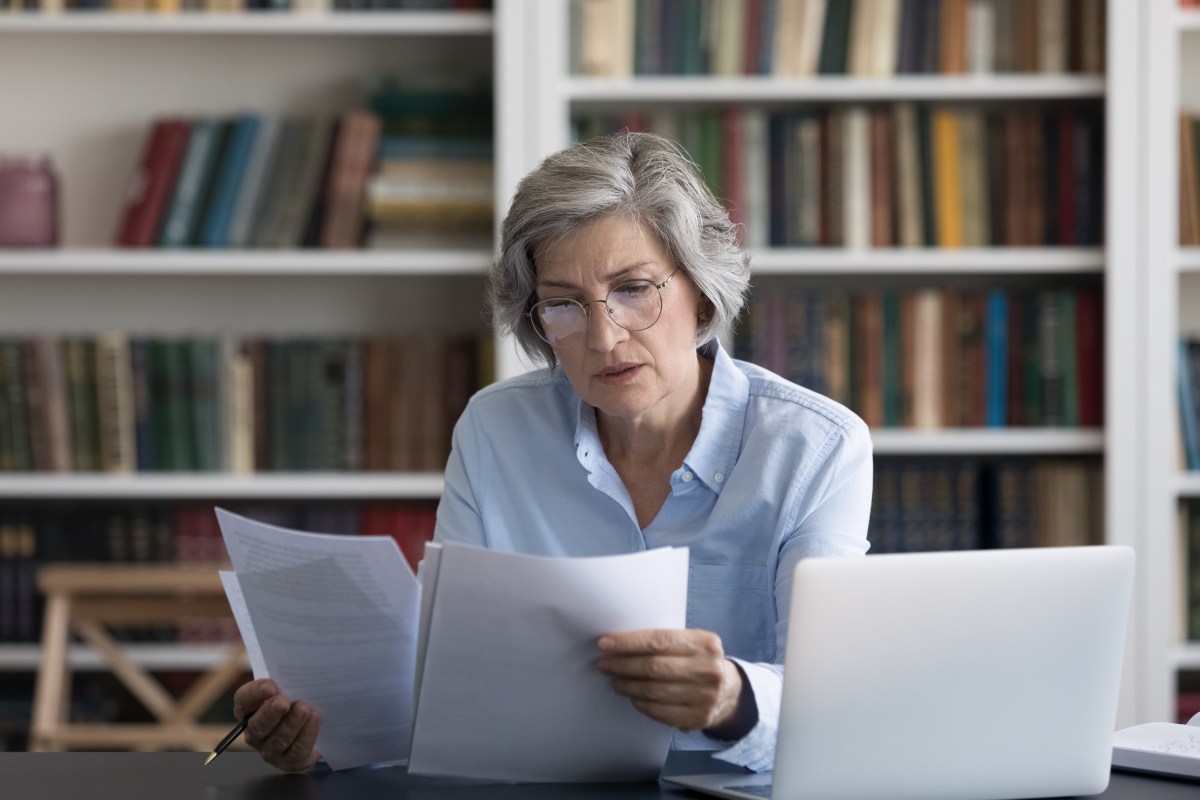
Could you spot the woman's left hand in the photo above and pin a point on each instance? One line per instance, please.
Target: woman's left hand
(678, 677)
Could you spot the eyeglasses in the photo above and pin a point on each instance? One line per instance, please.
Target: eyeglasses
(633, 305)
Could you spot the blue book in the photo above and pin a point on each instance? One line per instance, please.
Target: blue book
(218, 217)
(1187, 406)
(996, 347)
(184, 210)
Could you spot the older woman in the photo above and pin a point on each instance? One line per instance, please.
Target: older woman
(619, 269)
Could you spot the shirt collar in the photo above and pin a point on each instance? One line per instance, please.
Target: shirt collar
(716, 448)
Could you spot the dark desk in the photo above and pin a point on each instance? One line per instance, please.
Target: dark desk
(243, 776)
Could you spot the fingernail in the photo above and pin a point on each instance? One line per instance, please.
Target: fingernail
(605, 642)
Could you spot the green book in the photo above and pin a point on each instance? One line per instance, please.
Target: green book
(203, 403)
(835, 38)
(1068, 357)
(893, 390)
(925, 145)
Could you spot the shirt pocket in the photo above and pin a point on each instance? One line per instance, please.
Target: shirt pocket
(735, 602)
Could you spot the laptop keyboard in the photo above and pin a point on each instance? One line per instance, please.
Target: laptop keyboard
(755, 789)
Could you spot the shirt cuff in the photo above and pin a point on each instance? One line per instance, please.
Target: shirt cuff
(756, 750)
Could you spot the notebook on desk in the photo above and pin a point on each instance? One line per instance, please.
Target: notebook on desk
(967, 675)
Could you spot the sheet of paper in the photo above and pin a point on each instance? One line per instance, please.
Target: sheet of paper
(510, 689)
(336, 621)
(241, 615)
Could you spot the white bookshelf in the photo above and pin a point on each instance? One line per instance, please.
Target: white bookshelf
(1172, 307)
(85, 88)
(559, 95)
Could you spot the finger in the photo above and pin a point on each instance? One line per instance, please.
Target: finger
(672, 669)
(283, 736)
(658, 641)
(684, 718)
(249, 696)
(673, 694)
(662, 641)
(264, 719)
(304, 747)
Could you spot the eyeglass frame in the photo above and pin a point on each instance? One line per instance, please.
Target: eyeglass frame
(587, 309)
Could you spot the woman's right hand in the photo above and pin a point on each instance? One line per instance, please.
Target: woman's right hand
(283, 731)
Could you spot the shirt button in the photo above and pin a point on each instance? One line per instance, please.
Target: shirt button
(719, 477)
(687, 476)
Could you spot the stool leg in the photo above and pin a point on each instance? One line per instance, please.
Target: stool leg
(52, 695)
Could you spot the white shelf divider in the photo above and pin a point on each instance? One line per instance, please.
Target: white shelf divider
(829, 88)
(790, 261)
(988, 441)
(167, 655)
(191, 486)
(336, 23)
(428, 262)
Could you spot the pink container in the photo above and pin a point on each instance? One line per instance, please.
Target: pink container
(28, 203)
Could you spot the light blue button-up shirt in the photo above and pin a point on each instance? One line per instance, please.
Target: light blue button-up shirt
(777, 473)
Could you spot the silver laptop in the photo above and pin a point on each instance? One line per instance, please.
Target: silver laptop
(966, 675)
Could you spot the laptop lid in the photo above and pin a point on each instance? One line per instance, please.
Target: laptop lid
(972, 675)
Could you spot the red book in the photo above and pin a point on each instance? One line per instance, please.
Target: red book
(150, 188)
(732, 169)
(1066, 178)
(352, 162)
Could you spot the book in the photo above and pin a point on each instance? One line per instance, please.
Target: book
(214, 228)
(152, 183)
(352, 161)
(191, 189)
(1162, 748)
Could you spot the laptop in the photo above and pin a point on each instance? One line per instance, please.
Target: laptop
(975, 675)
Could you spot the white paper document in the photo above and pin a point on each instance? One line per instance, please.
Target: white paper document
(334, 620)
(488, 671)
(509, 686)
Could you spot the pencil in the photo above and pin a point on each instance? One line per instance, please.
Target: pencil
(228, 740)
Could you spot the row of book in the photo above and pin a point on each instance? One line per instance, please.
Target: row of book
(904, 174)
(936, 357)
(157, 533)
(419, 156)
(435, 163)
(1189, 179)
(254, 180)
(120, 403)
(870, 38)
(237, 6)
(967, 504)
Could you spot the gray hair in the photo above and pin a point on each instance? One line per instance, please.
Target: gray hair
(639, 175)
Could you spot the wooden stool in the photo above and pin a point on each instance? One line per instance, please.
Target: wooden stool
(87, 598)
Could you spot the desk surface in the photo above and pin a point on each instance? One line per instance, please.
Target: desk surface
(243, 776)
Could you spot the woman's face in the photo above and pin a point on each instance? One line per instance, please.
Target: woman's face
(648, 376)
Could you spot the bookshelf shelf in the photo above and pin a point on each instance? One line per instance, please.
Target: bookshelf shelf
(27, 657)
(1188, 259)
(1187, 21)
(244, 262)
(988, 441)
(191, 486)
(767, 89)
(909, 261)
(1187, 656)
(379, 23)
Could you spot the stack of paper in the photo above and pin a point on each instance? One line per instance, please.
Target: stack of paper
(487, 670)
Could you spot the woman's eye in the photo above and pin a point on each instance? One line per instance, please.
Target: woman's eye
(634, 289)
